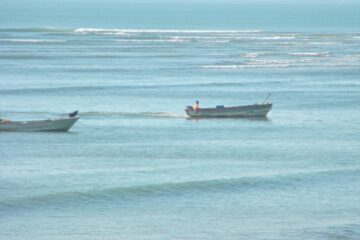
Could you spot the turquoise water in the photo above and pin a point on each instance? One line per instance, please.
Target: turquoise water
(134, 167)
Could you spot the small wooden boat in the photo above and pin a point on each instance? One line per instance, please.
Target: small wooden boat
(255, 110)
(59, 124)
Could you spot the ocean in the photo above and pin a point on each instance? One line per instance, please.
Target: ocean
(134, 167)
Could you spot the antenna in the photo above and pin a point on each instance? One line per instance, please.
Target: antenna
(266, 98)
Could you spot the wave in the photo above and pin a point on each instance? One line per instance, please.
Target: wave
(322, 43)
(126, 31)
(252, 34)
(276, 38)
(252, 64)
(310, 54)
(207, 39)
(114, 87)
(24, 57)
(254, 37)
(131, 32)
(100, 31)
(220, 41)
(244, 66)
(39, 30)
(118, 88)
(339, 229)
(344, 61)
(169, 189)
(32, 41)
(153, 40)
(180, 40)
(252, 55)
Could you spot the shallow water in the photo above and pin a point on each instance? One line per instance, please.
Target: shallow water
(134, 167)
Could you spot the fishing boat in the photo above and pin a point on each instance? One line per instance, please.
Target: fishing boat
(255, 110)
(58, 124)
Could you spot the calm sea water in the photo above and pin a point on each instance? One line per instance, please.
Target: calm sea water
(134, 167)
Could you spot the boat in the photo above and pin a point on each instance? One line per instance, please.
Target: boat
(255, 110)
(58, 124)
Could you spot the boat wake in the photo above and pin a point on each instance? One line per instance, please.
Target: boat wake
(135, 114)
(101, 113)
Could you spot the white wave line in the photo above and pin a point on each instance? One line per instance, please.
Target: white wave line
(31, 40)
(94, 30)
(310, 54)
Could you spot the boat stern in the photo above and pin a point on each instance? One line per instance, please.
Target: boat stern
(188, 110)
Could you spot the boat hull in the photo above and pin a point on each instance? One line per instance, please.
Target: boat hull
(256, 110)
(63, 124)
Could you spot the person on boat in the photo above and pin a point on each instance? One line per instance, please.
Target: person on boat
(196, 106)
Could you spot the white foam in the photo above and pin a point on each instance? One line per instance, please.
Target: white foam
(266, 62)
(253, 65)
(251, 55)
(309, 54)
(114, 33)
(350, 58)
(219, 41)
(322, 43)
(263, 37)
(85, 30)
(102, 30)
(152, 40)
(200, 38)
(31, 40)
(277, 38)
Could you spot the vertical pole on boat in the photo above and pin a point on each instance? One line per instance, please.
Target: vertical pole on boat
(266, 98)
